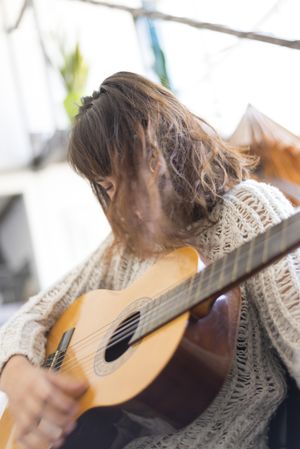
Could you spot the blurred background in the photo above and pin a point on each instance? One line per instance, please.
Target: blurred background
(52, 52)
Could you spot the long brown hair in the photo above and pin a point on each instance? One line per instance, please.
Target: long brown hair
(170, 166)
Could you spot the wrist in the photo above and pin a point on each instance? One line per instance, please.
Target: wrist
(14, 365)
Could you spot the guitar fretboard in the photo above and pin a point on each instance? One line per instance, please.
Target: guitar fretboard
(220, 276)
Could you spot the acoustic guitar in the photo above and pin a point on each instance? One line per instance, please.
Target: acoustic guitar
(162, 347)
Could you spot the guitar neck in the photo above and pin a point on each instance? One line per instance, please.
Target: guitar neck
(222, 275)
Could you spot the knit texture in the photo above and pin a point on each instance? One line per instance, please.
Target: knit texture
(269, 327)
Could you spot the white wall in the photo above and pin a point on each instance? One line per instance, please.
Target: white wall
(14, 143)
(65, 221)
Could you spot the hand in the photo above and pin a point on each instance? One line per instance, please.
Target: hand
(43, 403)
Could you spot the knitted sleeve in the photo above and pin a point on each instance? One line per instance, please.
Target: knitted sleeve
(25, 332)
(276, 289)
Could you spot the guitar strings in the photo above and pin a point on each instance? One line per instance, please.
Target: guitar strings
(103, 328)
(80, 343)
(160, 294)
(131, 323)
(123, 334)
(134, 320)
(164, 305)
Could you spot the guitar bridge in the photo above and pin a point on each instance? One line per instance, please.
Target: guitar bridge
(55, 360)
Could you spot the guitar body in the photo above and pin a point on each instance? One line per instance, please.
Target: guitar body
(172, 373)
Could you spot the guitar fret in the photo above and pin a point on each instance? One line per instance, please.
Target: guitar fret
(206, 277)
(249, 258)
(198, 289)
(261, 251)
(190, 290)
(221, 275)
(242, 262)
(211, 270)
(149, 316)
(266, 245)
(157, 304)
(234, 266)
(275, 248)
(283, 242)
(148, 312)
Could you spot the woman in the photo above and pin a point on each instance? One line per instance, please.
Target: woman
(164, 179)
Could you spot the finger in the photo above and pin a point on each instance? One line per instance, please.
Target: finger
(42, 431)
(36, 409)
(63, 403)
(68, 430)
(25, 423)
(49, 431)
(52, 395)
(61, 416)
(34, 440)
(22, 429)
(57, 417)
(68, 384)
(33, 412)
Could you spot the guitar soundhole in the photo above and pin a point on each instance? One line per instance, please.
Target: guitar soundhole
(120, 340)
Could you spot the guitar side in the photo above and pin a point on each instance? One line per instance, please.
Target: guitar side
(7, 440)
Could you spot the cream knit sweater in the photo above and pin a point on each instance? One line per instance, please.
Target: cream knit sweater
(270, 324)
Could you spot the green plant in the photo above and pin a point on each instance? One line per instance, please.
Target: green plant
(74, 72)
